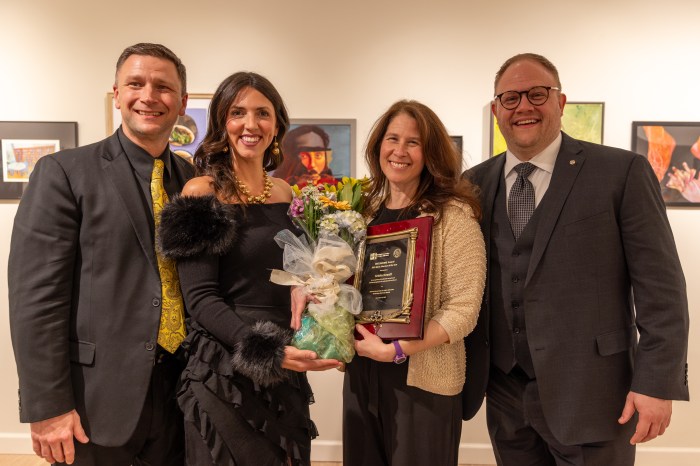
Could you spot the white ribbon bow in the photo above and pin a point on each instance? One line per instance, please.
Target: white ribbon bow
(321, 271)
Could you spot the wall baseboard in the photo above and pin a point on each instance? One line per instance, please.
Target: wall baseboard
(481, 453)
(13, 443)
(469, 453)
(474, 453)
(677, 456)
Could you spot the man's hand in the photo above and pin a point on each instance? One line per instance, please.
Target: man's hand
(654, 416)
(52, 439)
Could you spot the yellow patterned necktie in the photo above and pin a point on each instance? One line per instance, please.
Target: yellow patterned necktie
(172, 317)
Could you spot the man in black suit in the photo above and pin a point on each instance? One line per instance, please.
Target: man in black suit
(85, 283)
(581, 258)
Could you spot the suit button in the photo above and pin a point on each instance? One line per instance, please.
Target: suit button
(150, 346)
(516, 253)
(156, 302)
(516, 330)
(515, 304)
(515, 279)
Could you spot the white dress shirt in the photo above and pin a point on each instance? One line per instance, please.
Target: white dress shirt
(541, 176)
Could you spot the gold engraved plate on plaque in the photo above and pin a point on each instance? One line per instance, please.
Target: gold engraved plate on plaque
(385, 277)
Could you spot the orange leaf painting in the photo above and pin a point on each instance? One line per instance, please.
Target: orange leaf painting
(661, 145)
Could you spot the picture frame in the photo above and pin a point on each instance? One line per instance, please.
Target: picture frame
(668, 145)
(189, 129)
(22, 143)
(458, 141)
(581, 120)
(318, 151)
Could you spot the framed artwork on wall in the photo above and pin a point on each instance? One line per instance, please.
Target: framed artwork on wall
(581, 120)
(23, 143)
(318, 151)
(673, 150)
(458, 142)
(188, 131)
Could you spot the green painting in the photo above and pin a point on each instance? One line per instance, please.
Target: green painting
(581, 120)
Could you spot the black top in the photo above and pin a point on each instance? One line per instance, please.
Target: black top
(215, 285)
(387, 215)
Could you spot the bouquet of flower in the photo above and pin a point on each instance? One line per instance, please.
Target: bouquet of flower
(322, 261)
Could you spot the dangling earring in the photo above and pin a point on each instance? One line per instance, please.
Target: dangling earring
(275, 147)
(225, 149)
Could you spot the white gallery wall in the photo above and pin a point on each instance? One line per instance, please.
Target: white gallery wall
(352, 59)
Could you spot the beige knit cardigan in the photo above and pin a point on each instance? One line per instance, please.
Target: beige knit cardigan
(455, 288)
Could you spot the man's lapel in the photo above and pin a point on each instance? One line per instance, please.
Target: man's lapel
(489, 186)
(569, 162)
(120, 173)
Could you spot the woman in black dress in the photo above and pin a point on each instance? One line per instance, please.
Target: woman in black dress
(244, 393)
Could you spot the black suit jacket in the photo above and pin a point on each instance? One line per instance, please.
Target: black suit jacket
(604, 266)
(85, 290)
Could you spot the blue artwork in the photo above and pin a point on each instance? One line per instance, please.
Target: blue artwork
(188, 132)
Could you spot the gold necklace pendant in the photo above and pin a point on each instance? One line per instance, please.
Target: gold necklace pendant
(259, 199)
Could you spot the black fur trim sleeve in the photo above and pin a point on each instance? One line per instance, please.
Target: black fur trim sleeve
(260, 354)
(192, 225)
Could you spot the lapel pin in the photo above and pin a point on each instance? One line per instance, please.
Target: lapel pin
(572, 162)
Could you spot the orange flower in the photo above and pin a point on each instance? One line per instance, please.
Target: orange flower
(340, 205)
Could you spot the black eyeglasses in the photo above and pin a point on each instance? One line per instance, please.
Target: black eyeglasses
(538, 95)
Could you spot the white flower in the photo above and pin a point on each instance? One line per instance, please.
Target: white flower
(328, 224)
(345, 221)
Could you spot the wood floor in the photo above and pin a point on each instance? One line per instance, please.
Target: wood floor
(30, 460)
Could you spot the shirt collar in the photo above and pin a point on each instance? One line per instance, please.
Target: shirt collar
(544, 160)
(140, 160)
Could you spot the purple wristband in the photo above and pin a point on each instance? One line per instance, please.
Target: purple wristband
(400, 356)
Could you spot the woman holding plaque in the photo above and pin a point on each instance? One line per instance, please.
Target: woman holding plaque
(244, 393)
(402, 401)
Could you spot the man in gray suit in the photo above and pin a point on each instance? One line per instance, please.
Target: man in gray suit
(581, 258)
(86, 296)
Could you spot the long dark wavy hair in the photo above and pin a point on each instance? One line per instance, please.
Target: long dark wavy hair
(440, 180)
(214, 157)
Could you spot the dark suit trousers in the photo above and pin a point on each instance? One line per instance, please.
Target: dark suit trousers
(520, 435)
(158, 439)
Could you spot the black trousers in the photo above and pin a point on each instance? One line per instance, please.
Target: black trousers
(158, 439)
(521, 437)
(387, 423)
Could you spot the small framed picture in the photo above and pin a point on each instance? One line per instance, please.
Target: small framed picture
(458, 142)
(317, 151)
(23, 143)
(673, 150)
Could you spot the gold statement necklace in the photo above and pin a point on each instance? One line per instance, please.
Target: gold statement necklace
(260, 199)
